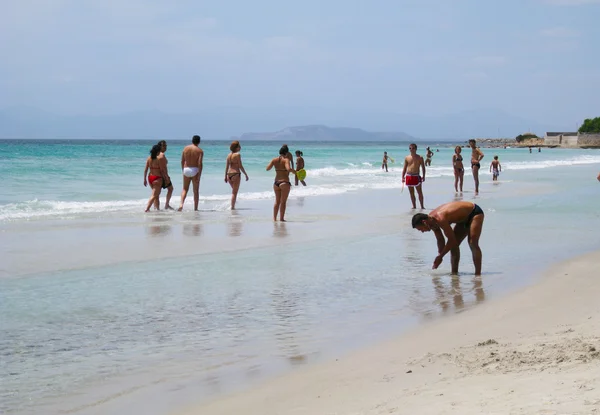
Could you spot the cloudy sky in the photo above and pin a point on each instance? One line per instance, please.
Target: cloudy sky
(534, 58)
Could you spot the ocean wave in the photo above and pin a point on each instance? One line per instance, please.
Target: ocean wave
(52, 209)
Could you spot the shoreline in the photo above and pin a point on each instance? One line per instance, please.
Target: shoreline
(489, 358)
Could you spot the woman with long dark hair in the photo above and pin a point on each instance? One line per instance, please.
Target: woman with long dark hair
(282, 184)
(155, 178)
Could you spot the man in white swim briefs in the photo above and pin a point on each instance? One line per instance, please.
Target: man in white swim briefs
(191, 165)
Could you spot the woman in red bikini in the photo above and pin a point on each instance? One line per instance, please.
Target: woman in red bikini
(234, 170)
(155, 178)
(282, 184)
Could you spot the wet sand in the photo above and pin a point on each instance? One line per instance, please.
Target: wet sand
(535, 351)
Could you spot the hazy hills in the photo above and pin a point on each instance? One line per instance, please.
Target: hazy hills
(324, 133)
(224, 122)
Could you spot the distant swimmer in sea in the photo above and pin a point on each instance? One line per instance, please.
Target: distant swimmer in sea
(167, 179)
(299, 166)
(155, 178)
(468, 219)
(429, 155)
(459, 169)
(384, 163)
(191, 166)
(476, 156)
(233, 170)
(410, 175)
(282, 184)
(495, 168)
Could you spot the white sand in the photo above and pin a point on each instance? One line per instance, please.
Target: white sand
(542, 357)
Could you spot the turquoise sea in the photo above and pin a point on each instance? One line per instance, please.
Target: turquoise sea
(106, 309)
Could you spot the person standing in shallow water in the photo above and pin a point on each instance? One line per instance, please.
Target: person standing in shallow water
(167, 179)
(299, 166)
(459, 169)
(155, 178)
(468, 219)
(495, 168)
(410, 175)
(476, 156)
(428, 156)
(233, 171)
(191, 167)
(282, 184)
(384, 163)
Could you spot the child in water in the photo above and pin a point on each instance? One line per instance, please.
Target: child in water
(299, 166)
(495, 168)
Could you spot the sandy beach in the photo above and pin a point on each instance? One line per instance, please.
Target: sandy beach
(536, 351)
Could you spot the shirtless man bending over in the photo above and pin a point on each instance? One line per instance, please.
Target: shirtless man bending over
(191, 165)
(410, 175)
(468, 220)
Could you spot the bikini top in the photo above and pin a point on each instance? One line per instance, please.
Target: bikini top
(276, 169)
(459, 158)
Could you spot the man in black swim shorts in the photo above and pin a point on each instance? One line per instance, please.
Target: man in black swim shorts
(468, 219)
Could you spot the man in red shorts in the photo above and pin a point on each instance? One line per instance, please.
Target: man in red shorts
(410, 175)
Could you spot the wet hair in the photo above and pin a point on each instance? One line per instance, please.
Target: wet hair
(162, 143)
(413, 144)
(284, 150)
(155, 151)
(418, 219)
(495, 157)
(196, 139)
(457, 148)
(234, 144)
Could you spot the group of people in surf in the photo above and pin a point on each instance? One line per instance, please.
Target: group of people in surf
(414, 163)
(156, 174)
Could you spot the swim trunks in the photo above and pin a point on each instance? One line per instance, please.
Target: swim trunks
(166, 185)
(476, 211)
(475, 164)
(495, 172)
(413, 180)
(190, 171)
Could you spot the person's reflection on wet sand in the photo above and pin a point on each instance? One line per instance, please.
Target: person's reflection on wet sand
(440, 294)
(159, 229)
(459, 302)
(280, 230)
(287, 310)
(300, 201)
(192, 229)
(235, 224)
(478, 288)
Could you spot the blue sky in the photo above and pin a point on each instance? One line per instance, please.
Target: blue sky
(534, 58)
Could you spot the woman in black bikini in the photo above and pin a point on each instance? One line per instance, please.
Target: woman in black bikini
(282, 184)
(476, 156)
(234, 170)
(459, 169)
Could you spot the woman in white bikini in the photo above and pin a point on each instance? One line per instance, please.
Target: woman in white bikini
(282, 184)
(233, 171)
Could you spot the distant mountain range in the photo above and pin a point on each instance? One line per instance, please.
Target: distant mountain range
(324, 133)
(224, 122)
